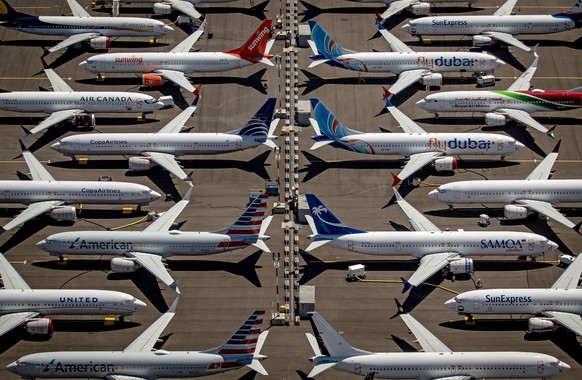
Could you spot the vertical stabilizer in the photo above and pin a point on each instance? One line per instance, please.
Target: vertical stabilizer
(244, 340)
(9, 13)
(260, 123)
(247, 228)
(325, 221)
(329, 125)
(255, 47)
(330, 342)
(325, 44)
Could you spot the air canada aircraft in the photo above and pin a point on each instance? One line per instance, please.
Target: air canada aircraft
(448, 251)
(421, 148)
(141, 360)
(81, 27)
(416, 7)
(149, 248)
(163, 147)
(45, 195)
(436, 361)
(164, 7)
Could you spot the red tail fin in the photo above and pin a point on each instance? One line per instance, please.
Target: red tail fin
(255, 45)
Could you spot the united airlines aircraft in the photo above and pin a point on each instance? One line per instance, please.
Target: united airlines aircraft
(416, 7)
(448, 251)
(140, 360)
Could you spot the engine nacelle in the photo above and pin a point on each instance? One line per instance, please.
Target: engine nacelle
(140, 163)
(540, 325)
(434, 79)
(460, 266)
(421, 9)
(121, 265)
(84, 121)
(495, 119)
(513, 212)
(162, 9)
(40, 326)
(481, 41)
(445, 163)
(62, 213)
(102, 43)
(152, 80)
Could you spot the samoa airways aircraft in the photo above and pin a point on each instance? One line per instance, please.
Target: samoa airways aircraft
(421, 148)
(164, 7)
(521, 197)
(44, 194)
(501, 26)
(22, 306)
(141, 360)
(437, 361)
(448, 251)
(416, 7)
(81, 26)
(149, 248)
(409, 65)
(559, 305)
(173, 65)
(163, 147)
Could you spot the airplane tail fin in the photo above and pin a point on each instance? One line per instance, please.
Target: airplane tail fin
(329, 341)
(329, 125)
(574, 14)
(324, 221)
(8, 13)
(326, 47)
(256, 49)
(259, 125)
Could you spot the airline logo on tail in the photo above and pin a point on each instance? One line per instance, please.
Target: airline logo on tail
(244, 340)
(3, 8)
(258, 38)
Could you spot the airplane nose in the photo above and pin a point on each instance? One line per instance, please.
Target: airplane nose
(433, 194)
(168, 29)
(451, 304)
(552, 246)
(56, 146)
(155, 195)
(140, 304)
(564, 367)
(83, 65)
(499, 62)
(12, 367)
(519, 145)
(406, 27)
(41, 244)
(421, 104)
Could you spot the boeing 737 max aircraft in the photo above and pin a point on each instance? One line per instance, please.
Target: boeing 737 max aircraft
(164, 7)
(140, 360)
(416, 7)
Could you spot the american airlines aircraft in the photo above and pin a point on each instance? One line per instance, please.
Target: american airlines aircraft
(448, 251)
(416, 7)
(149, 248)
(173, 65)
(81, 27)
(437, 361)
(45, 195)
(63, 103)
(516, 103)
(421, 148)
(536, 193)
(164, 7)
(409, 65)
(559, 305)
(22, 306)
(502, 26)
(140, 360)
(163, 147)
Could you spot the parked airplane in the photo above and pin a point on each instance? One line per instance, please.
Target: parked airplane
(502, 26)
(141, 360)
(416, 7)
(421, 148)
(149, 248)
(536, 193)
(81, 27)
(437, 361)
(164, 7)
(173, 65)
(163, 147)
(409, 65)
(22, 306)
(448, 251)
(45, 195)
(66, 104)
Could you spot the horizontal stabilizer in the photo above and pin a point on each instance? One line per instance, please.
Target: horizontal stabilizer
(257, 367)
(266, 61)
(320, 368)
(261, 245)
(319, 144)
(316, 244)
(270, 144)
(318, 62)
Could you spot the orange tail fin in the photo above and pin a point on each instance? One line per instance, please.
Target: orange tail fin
(257, 42)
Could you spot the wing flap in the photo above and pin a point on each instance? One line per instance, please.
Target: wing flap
(395, 44)
(77, 9)
(544, 168)
(9, 322)
(154, 265)
(524, 118)
(178, 78)
(505, 9)
(185, 7)
(57, 83)
(405, 80)
(396, 7)
(524, 81)
(10, 277)
(415, 163)
(406, 123)
(164, 222)
(572, 322)
(508, 39)
(168, 162)
(55, 118)
(72, 40)
(32, 211)
(571, 276)
(426, 339)
(186, 45)
(418, 221)
(429, 265)
(176, 124)
(147, 339)
(546, 209)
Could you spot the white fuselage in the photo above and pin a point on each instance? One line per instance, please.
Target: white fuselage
(394, 1)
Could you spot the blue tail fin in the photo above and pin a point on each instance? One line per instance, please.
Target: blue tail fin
(325, 44)
(8, 13)
(259, 124)
(329, 124)
(574, 14)
(325, 221)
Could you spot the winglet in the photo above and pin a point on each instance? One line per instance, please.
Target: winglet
(399, 309)
(550, 132)
(407, 285)
(577, 228)
(22, 146)
(396, 179)
(557, 147)
(44, 64)
(397, 194)
(172, 308)
(379, 21)
(27, 132)
(386, 97)
(197, 92)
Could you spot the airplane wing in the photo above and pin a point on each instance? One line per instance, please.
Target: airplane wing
(395, 7)
(154, 265)
(405, 80)
(524, 81)
(546, 209)
(186, 45)
(148, 338)
(176, 124)
(544, 168)
(395, 44)
(572, 322)
(123, 377)
(176, 77)
(72, 40)
(77, 9)
(168, 162)
(418, 221)
(10, 277)
(571, 276)
(426, 339)
(505, 9)
(429, 265)
(164, 222)
(32, 211)
(404, 121)
(415, 163)
(37, 171)
(57, 83)
(524, 118)
(55, 118)
(9, 322)
(459, 377)
(508, 39)
(185, 7)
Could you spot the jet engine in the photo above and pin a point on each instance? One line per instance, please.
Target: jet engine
(481, 41)
(433, 79)
(540, 325)
(445, 163)
(513, 212)
(140, 163)
(460, 266)
(39, 326)
(100, 43)
(495, 119)
(162, 9)
(62, 213)
(84, 121)
(152, 80)
(121, 265)
(420, 9)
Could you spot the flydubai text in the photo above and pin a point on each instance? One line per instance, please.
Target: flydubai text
(435, 143)
(445, 62)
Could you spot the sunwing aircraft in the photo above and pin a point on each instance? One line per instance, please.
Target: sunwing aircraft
(437, 361)
(416, 7)
(63, 103)
(163, 147)
(149, 248)
(448, 251)
(516, 103)
(409, 65)
(45, 195)
(164, 7)
(421, 148)
(22, 306)
(173, 65)
(501, 26)
(141, 360)
(81, 27)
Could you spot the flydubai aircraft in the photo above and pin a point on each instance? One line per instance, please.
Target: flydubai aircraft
(81, 27)
(163, 147)
(436, 361)
(164, 7)
(501, 27)
(149, 248)
(448, 251)
(560, 305)
(63, 103)
(173, 65)
(409, 65)
(522, 197)
(421, 148)
(141, 360)
(45, 195)
(22, 306)
(416, 7)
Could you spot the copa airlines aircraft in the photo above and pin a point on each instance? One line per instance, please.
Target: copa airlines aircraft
(164, 7)
(502, 26)
(81, 27)
(149, 248)
(536, 193)
(66, 104)
(416, 7)
(45, 195)
(173, 65)
(140, 360)
(559, 305)
(163, 147)
(22, 306)
(437, 361)
(437, 250)
(421, 148)
(409, 65)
